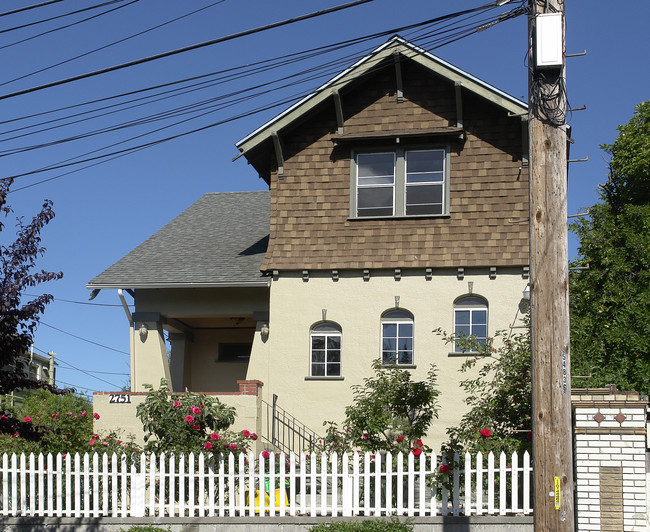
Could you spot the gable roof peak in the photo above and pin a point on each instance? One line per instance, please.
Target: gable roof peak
(363, 67)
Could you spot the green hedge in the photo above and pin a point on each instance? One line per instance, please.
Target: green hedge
(368, 525)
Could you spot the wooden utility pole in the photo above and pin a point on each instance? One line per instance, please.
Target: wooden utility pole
(549, 272)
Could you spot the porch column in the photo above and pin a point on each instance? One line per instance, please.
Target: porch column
(178, 342)
(149, 358)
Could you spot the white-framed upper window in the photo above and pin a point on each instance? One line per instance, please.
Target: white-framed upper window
(397, 338)
(325, 350)
(470, 319)
(400, 183)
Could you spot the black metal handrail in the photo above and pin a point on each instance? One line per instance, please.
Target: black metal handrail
(284, 432)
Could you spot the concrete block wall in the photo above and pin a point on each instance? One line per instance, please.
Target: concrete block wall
(610, 460)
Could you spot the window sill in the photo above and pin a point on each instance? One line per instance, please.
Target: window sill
(464, 354)
(401, 217)
(323, 378)
(400, 366)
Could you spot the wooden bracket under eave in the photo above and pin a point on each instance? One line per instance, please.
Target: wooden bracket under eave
(278, 154)
(459, 105)
(338, 107)
(398, 76)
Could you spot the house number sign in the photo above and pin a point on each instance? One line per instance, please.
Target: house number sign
(119, 398)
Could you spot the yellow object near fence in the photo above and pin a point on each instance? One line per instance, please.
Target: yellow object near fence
(267, 500)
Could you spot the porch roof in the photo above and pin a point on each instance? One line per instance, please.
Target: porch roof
(220, 240)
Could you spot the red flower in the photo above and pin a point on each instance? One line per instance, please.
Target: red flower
(232, 446)
(208, 446)
(214, 436)
(265, 455)
(417, 452)
(84, 413)
(400, 439)
(195, 410)
(444, 468)
(253, 436)
(96, 415)
(486, 433)
(529, 435)
(27, 419)
(246, 433)
(197, 426)
(419, 443)
(177, 404)
(189, 419)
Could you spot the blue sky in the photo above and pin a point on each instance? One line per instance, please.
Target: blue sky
(104, 211)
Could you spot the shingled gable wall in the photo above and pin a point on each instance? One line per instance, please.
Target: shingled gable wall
(310, 207)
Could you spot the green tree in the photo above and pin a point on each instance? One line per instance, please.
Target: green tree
(610, 299)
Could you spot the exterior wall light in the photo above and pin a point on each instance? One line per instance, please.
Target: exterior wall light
(144, 332)
(526, 292)
(264, 331)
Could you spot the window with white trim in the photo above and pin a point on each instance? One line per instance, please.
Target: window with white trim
(325, 351)
(470, 319)
(397, 338)
(401, 183)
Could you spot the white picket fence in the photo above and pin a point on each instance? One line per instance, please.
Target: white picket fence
(207, 485)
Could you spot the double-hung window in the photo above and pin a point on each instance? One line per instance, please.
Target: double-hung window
(400, 183)
(326, 350)
(397, 338)
(470, 319)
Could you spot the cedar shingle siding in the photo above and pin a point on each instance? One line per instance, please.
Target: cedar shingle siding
(310, 207)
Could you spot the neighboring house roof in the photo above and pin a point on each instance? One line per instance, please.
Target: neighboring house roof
(218, 241)
(367, 64)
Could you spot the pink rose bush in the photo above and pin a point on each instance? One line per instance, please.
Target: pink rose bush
(189, 422)
(49, 423)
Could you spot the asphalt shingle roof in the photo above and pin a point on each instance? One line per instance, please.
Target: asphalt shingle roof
(219, 240)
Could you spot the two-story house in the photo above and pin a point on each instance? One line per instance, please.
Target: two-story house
(397, 204)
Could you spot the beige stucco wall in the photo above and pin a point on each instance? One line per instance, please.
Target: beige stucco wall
(122, 417)
(356, 305)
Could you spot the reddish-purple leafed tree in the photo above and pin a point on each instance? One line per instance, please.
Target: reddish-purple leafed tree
(20, 314)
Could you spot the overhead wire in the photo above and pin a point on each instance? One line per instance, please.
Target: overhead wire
(76, 12)
(85, 339)
(28, 8)
(114, 43)
(184, 49)
(65, 26)
(131, 149)
(81, 302)
(167, 114)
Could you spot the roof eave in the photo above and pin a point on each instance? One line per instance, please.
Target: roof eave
(261, 283)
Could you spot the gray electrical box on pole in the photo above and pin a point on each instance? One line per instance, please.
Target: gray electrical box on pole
(549, 272)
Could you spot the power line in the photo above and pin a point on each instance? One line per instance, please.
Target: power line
(66, 26)
(185, 49)
(85, 339)
(80, 302)
(7, 30)
(114, 42)
(116, 154)
(27, 8)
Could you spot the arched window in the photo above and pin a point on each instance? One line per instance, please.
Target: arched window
(397, 337)
(325, 354)
(470, 319)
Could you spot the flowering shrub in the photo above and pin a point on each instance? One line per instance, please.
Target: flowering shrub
(189, 422)
(64, 425)
(389, 412)
(499, 395)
